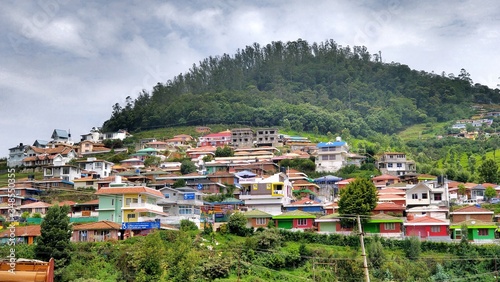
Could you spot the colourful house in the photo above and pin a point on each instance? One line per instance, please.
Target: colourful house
(476, 230)
(296, 219)
(96, 231)
(23, 234)
(129, 204)
(305, 204)
(384, 225)
(426, 227)
(257, 218)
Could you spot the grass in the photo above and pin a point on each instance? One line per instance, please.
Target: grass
(423, 131)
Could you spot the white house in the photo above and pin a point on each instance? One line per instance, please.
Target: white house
(98, 167)
(181, 203)
(331, 156)
(16, 155)
(266, 194)
(65, 172)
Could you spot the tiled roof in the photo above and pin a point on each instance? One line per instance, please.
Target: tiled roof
(426, 220)
(100, 225)
(129, 190)
(35, 205)
(385, 177)
(391, 197)
(257, 214)
(471, 209)
(391, 191)
(69, 203)
(305, 201)
(294, 214)
(91, 202)
(23, 231)
(385, 217)
(389, 206)
(471, 223)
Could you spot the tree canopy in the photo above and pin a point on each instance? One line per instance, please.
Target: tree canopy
(358, 198)
(319, 87)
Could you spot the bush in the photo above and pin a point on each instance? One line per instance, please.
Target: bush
(188, 225)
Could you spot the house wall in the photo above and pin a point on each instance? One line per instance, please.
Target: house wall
(253, 222)
(309, 224)
(396, 230)
(474, 234)
(327, 227)
(464, 217)
(113, 202)
(425, 231)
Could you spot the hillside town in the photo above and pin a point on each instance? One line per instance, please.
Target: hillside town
(135, 196)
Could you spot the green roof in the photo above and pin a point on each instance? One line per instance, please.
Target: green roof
(145, 150)
(330, 216)
(474, 224)
(257, 214)
(384, 218)
(294, 214)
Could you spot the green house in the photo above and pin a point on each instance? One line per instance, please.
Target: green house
(384, 225)
(296, 219)
(476, 230)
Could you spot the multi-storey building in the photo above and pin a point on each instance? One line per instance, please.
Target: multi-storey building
(267, 194)
(181, 204)
(266, 137)
(331, 156)
(242, 137)
(396, 164)
(215, 139)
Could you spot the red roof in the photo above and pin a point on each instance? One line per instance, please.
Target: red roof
(471, 209)
(426, 220)
(219, 134)
(23, 231)
(385, 177)
(389, 207)
(391, 191)
(100, 225)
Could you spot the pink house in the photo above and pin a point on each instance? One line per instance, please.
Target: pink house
(215, 139)
(426, 227)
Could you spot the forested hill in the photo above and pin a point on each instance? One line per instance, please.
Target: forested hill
(315, 87)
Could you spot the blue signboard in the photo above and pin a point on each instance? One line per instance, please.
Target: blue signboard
(189, 196)
(141, 225)
(200, 186)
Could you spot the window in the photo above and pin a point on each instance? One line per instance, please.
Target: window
(112, 202)
(435, 229)
(167, 195)
(131, 215)
(389, 226)
(389, 165)
(39, 210)
(399, 165)
(424, 195)
(482, 232)
(414, 196)
(185, 210)
(82, 236)
(260, 221)
(437, 197)
(324, 157)
(333, 157)
(89, 183)
(65, 170)
(302, 221)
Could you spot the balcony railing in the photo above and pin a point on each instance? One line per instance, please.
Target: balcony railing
(84, 214)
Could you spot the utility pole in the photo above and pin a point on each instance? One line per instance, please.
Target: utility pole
(363, 253)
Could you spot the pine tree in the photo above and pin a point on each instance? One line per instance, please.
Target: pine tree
(54, 241)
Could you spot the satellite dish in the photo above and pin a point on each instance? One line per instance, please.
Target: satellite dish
(473, 222)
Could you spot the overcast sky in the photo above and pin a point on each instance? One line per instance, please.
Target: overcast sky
(65, 63)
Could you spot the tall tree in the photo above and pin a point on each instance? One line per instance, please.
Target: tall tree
(488, 171)
(54, 241)
(358, 198)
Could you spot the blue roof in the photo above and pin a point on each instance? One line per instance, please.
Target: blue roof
(331, 144)
(61, 133)
(40, 142)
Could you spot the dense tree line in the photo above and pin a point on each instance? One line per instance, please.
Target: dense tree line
(315, 87)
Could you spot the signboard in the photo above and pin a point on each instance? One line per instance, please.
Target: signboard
(141, 225)
(218, 215)
(200, 186)
(189, 196)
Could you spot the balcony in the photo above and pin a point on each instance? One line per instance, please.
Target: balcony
(84, 214)
(144, 206)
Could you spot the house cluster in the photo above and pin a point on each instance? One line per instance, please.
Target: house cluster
(132, 199)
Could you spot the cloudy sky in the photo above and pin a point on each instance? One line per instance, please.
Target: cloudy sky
(63, 64)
